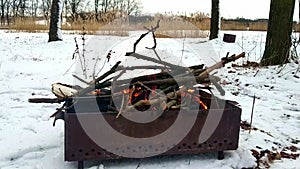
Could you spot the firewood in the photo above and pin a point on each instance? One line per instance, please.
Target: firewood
(46, 100)
(203, 76)
(139, 56)
(222, 63)
(170, 104)
(63, 90)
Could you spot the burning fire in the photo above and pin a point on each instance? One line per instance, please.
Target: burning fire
(139, 93)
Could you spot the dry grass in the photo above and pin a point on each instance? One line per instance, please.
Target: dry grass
(170, 27)
(252, 26)
(182, 34)
(89, 27)
(28, 25)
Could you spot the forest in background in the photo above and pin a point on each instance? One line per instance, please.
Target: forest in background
(34, 16)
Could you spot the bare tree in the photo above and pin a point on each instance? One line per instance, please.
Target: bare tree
(46, 5)
(15, 8)
(214, 20)
(132, 6)
(278, 42)
(22, 7)
(8, 5)
(34, 8)
(74, 7)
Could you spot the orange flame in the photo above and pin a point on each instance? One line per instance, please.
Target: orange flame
(201, 103)
(126, 91)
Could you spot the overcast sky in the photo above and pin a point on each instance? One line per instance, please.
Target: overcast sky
(251, 9)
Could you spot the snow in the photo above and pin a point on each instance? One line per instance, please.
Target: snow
(29, 65)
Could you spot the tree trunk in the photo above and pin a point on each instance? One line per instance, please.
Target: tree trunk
(2, 11)
(55, 22)
(278, 40)
(7, 12)
(214, 20)
(96, 10)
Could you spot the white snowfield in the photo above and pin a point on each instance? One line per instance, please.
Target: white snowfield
(29, 65)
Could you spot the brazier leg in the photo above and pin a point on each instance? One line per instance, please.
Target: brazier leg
(220, 155)
(80, 165)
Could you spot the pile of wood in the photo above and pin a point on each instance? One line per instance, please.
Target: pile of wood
(141, 92)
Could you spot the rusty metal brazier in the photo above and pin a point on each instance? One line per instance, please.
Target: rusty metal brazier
(80, 147)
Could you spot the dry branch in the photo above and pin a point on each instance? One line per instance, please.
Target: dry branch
(81, 80)
(139, 56)
(111, 71)
(153, 29)
(46, 100)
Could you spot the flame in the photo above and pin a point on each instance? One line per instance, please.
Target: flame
(137, 94)
(201, 103)
(191, 90)
(96, 92)
(126, 91)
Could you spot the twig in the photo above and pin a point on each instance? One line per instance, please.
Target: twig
(142, 67)
(140, 162)
(252, 112)
(156, 54)
(142, 36)
(256, 73)
(111, 71)
(78, 53)
(298, 69)
(154, 40)
(59, 114)
(69, 68)
(283, 67)
(83, 52)
(78, 78)
(101, 68)
(95, 65)
(122, 105)
(62, 93)
(183, 45)
(149, 89)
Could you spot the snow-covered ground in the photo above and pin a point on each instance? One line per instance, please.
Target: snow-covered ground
(29, 65)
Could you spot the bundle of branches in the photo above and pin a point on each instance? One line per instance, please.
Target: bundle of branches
(135, 93)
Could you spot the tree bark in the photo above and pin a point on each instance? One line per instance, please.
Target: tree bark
(55, 23)
(278, 40)
(214, 20)
(2, 4)
(96, 10)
